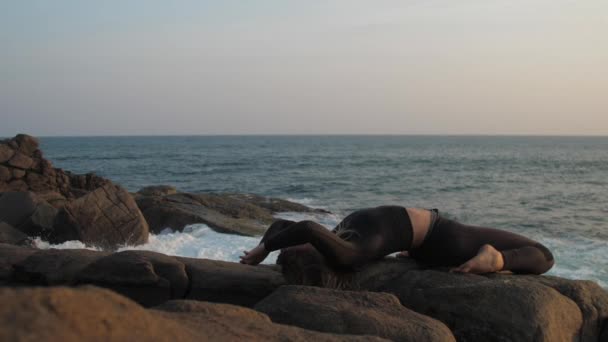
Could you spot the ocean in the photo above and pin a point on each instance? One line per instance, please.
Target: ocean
(552, 189)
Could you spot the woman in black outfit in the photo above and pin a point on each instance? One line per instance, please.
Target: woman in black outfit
(370, 234)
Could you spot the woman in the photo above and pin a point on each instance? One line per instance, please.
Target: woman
(425, 235)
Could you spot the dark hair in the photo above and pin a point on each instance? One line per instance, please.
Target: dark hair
(304, 265)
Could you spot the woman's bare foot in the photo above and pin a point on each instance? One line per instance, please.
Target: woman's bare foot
(254, 256)
(487, 260)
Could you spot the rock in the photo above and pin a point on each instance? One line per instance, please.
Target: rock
(40, 222)
(6, 153)
(227, 282)
(243, 321)
(477, 308)
(53, 266)
(157, 190)
(27, 143)
(9, 256)
(53, 198)
(106, 217)
(93, 314)
(589, 296)
(16, 207)
(348, 312)
(226, 213)
(12, 236)
(275, 205)
(18, 173)
(5, 173)
(21, 161)
(148, 278)
(17, 185)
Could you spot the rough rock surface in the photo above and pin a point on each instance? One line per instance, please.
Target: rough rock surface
(10, 235)
(93, 314)
(341, 312)
(228, 282)
(23, 168)
(106, 217)
(475, 308)
(226, 213)
(27, 212)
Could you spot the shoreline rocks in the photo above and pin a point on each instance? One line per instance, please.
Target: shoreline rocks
(409, 300)
(242, 214)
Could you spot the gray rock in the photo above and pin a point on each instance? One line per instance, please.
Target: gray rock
(11, 255)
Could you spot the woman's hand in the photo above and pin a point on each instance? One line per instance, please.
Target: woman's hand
(403, 254)
(254, 256)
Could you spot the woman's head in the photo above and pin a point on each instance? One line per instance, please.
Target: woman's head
(304, 265)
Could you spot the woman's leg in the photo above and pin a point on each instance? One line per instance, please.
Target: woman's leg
(482, 250)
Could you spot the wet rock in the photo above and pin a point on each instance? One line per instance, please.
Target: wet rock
(348, 312)
(227, 282)
(106, 217)
(21, 161)
(146, 277)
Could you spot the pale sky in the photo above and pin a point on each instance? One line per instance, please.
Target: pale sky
(304, 67)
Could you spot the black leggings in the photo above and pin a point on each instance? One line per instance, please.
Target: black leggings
(451, 243)
(448, 243)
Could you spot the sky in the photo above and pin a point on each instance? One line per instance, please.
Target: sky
(149, 67)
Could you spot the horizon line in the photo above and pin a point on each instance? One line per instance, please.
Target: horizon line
(320, 135)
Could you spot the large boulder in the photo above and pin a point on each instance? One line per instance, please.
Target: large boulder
(228, 282)
(349, 312)
(243, 214)
(106, 217)
(478, 308)
(240, 321)
(93, 314)
(53, 266)
(10, 255)
(149, 278)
